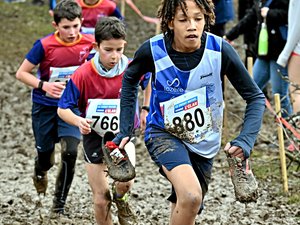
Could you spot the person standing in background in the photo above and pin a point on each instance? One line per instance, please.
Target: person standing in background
(265, 68)
(249, 35)
(224, 12)
(290, 55)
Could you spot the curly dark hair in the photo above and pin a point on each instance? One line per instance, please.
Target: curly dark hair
(167, 9)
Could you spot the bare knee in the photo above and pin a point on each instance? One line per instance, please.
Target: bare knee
(190, 201)
(102, 200)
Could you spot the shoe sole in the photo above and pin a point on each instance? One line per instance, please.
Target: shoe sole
(123, 171)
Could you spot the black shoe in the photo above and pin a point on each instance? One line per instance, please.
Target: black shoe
(58, 207)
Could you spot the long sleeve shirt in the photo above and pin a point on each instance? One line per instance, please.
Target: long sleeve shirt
(231, 65)
(293, 33)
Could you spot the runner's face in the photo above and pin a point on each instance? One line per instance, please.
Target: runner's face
(110, 52)
(187, 28)
(68, 31)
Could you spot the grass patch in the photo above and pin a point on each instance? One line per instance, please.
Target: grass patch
(294, 198)
(22, 24)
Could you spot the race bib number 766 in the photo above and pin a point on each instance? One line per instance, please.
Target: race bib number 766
(104, 114)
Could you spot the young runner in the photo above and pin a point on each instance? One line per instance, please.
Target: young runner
(57, 56)
(95, 89)
(184, 125)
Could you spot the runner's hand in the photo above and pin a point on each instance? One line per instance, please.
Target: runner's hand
(234, 151)
(54, 88)
(84, 125)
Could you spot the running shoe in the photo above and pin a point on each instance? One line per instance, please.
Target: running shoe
(125, 214)
(244, 182)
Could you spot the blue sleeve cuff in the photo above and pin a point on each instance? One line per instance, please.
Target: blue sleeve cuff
(246, 149)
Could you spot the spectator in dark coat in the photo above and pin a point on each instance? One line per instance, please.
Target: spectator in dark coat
(265, 67)
(224, 12)
(244, 6)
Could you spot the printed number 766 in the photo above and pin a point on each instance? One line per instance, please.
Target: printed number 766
(106, 123)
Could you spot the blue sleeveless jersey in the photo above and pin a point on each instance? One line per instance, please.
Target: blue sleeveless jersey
(171, 82)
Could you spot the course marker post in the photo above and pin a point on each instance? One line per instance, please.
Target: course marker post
(250, 65)
(281, 145)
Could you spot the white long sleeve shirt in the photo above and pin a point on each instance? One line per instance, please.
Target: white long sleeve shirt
(293, 39)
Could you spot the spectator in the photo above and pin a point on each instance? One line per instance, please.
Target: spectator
(224, 12)
(291, 53)
(265, 67)
(249, 35)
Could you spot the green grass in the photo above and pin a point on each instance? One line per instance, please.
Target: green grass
(21, 25)
(267, 168)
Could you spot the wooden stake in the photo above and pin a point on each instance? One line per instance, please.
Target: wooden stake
(250, 65)
(250, 69)
(281, 145)
(225, 116)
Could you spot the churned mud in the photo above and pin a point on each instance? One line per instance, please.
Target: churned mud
(19, 203)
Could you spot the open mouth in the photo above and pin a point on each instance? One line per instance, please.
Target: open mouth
(71, 39)
(192, 36)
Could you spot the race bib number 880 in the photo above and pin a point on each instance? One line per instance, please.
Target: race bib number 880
(104, 114)
(188, 116)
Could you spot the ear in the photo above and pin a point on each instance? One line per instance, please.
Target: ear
(95, 46)
(54, 25)
(171, 24)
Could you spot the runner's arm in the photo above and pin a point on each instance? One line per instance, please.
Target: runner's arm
(141, 64)
(239, 77)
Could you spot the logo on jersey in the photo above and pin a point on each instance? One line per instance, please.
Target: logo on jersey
(173, 86)
(83, 54)
(186, 105)
(206, 75)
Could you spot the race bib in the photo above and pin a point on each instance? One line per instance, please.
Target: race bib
(61, 75)
(104, 114)
(188, 116)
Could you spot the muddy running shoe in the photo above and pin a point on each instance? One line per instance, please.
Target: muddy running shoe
(244, 182)
(118, 164)
(125, 213)
(40, 183)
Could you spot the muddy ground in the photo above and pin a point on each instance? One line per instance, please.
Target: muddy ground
(21, 24)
